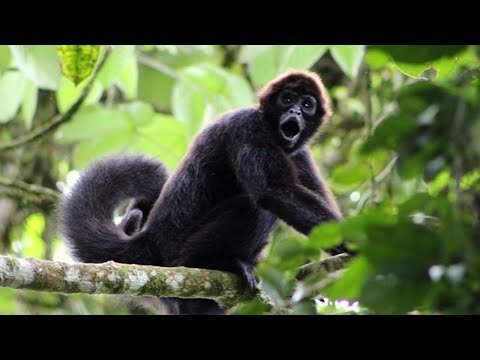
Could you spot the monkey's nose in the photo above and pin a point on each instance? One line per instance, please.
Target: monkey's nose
(294, 111)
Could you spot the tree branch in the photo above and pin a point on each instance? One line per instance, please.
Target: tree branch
(326, 266)
(20, 187)
(115, 278)
(57, 120)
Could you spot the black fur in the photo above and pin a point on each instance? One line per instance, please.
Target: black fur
(218, 208)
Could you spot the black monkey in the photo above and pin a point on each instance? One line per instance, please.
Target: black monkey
(217, 209)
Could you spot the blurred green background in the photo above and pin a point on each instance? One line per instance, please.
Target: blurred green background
(401, 153)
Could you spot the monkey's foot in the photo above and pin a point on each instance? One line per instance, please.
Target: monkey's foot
(247, 274)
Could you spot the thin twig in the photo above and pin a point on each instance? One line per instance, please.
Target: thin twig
(157, 65)
(36, 190)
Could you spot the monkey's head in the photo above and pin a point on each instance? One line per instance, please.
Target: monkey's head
(295, 104)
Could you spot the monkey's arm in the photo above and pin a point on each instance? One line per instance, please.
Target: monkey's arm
(310, 177)
(269, 177)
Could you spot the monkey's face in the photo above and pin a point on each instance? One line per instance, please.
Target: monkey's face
(298, 117)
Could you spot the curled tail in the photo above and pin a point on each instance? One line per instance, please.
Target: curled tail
(87, 211)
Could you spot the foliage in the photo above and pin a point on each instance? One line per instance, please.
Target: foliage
(399, 153)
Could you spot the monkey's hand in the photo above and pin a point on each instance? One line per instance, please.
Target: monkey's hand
(247, 274)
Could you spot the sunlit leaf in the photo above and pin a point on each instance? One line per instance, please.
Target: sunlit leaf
(188, 106)
(352, 281)
(68, 93)
(155, 87)
(29, 105)
(78, 61)
(87, 151)
(39, 63)
(164, 137)
(441, 181)
(469, 180)
(94, 122)
(433, 62)
(128, 80)
(32, 241)
(5, 58)
(348, 57)
(326, 235)
(12, 88)
(278, 58)
(120, 56)
(249, 52)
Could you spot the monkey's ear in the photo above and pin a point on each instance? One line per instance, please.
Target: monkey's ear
(307, 80)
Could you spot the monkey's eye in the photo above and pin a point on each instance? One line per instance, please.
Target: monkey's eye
(307, 104)
(287, 99)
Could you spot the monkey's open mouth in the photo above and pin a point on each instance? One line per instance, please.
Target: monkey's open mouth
(290, 129)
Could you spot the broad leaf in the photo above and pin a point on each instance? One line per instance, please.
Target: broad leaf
(12, 88)
(39, 63)
(78, 61)
(348, 57)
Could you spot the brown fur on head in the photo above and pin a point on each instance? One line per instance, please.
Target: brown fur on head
(308, 80)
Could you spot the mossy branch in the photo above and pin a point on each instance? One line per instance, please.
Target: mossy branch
(115, 278)
(58, 120)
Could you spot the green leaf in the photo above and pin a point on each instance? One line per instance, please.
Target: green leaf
(396, 287)
(349, 176)
(326, 235)
(139, 113)
(350, 285)
(188, 106)
(87, 151)
(32, 242)
(155, 87)
(253, 307)
(234, 88)
(205, 91)
(376, 58)
(470, 179)
(274, 284)
(419, 54)
(435, 62)
(8, 301)
(163, 137)
(12, 87)
(390, 134)
(68, 93)
(5, 58)
(120, 56)
(29, 105)
(94, 122)
(441, 181)
(128, 80)
(249, 52)
(78, 61)
(279, 58)
(39, 63)
(301, 56)
(348, 57)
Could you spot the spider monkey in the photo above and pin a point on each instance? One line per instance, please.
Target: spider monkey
(218, 208)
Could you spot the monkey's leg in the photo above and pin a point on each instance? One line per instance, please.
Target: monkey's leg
(228, 238)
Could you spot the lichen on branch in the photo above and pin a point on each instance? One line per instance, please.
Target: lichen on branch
(116, 278)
